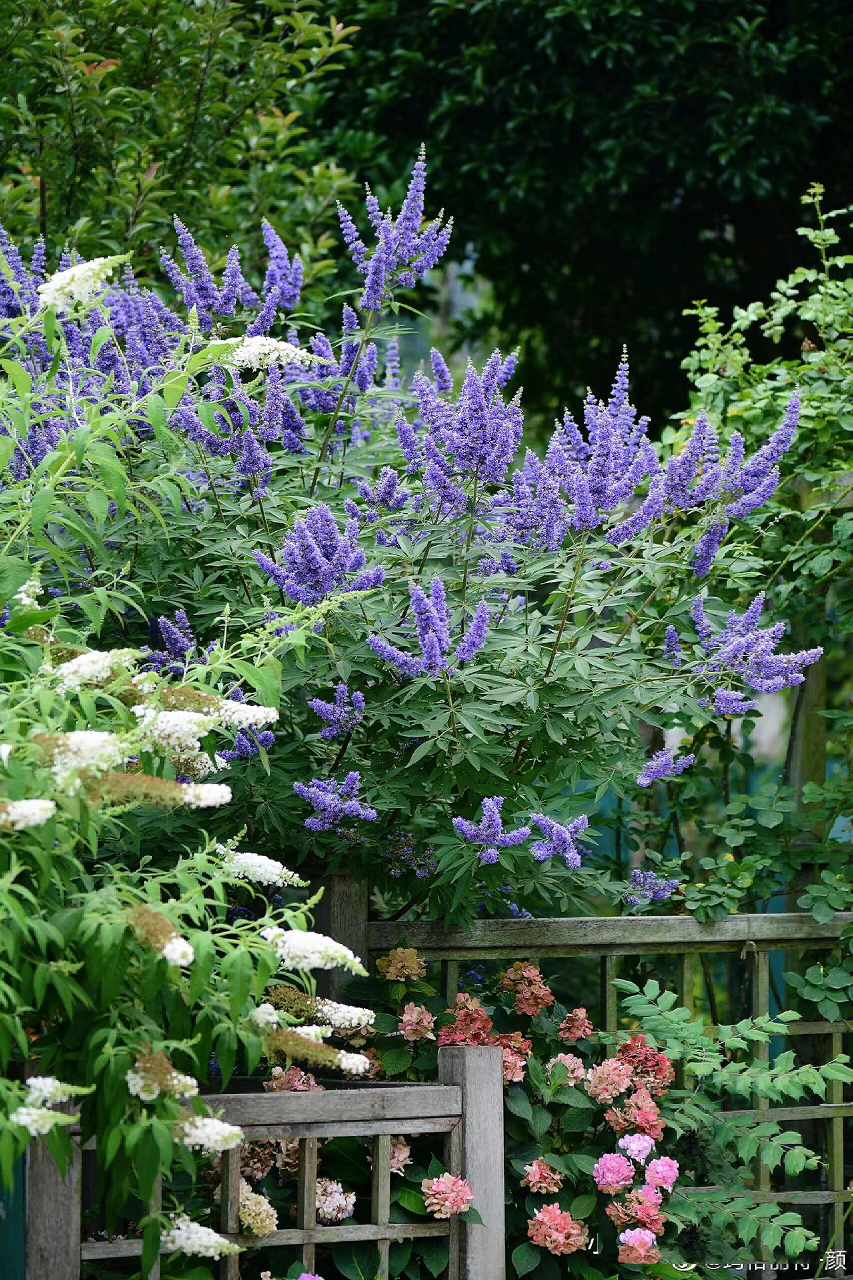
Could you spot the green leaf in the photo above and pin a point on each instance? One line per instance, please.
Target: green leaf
(433, 1253)
(525, 1258)
(518, 1103)
(14, 572)
(40, 509)
(411, 1199)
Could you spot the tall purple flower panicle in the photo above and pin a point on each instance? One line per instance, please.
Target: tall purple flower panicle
(707, 547)
(280, 419)
(648, 886)
(342, 715)
(19, 289)
(197, 287)
(432, 620)
(318, 559)
(385, 495)
(694, 475)
(600, 473)
(441, 375)
(406, 247)
(559, 839)
(672, 647)
(284, 277)
(253, 464)
(746, 651)
(489, 832)
(663, 764)
(535, 513)
(234, 287)
(333, 802)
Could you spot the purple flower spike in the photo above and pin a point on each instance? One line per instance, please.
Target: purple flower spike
(489, 832)
(432, 620)
(559, 840)
(480, 433)
(664, 764)
(648, 886)
(340, 716)
(319, 559)
(672, 647)
(333, 801)
(475, 637)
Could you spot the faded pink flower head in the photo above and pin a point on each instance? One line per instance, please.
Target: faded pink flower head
(532, 993)
(638, 1146)
(401, 965)
(446, 1195)
(638, 1245)
(662, 1172)
(416, 1022)
(540, 1177)
(574, 1066)
(575, 1026)
(557, 1231)
(613, 1173)
(293, 1080)
(401, 1155)
(610, 1078)
(333, 1203)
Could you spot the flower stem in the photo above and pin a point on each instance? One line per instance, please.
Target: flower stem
(337, 409)
(221, 514)
(450, 703)
(564, 617)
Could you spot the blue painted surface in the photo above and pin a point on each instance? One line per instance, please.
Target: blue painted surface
(12, 1227)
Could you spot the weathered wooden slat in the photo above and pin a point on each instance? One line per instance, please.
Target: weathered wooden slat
(342, 914)
(333, 1105)
(380, 1195)
(103, 1249)
(604, 934)
(354, 1128)
(53, 1214)
(818, 1111)
(479, 1072)
(835, 1148)
(782, 1197)
(229, 1209)
(306, 1199)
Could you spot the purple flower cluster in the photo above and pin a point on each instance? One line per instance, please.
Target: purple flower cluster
(178, 641)
(559, 839)
(197, 286)
(342, 715)
(401, 857)
(405, 248)
(333, 802)
(489, 832)
(746, 651)
(432, 619)
(318, 559)
(663, 764)
(648, 886)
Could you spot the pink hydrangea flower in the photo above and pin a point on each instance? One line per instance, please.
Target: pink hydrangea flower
(401, 1155)
(612, 1173)
(640, 1112)
(557, 1231)
(638, 1146)
(416, 1022)
(540, 1177)
(574, 1066)
(610, 1078)
(638, 1245)
(447, 1195)
(662, 1172)
(532, 993)
(293, 1080)
(641, 1208)
(575, 1026)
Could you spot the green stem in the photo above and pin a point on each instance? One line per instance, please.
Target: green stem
(337, 409)
(450, 703)
(221, 513)
(471, 525)
(564, 617)
(635, 615)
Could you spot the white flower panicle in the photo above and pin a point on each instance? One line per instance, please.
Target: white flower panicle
(185, 1236)
(354, 1064)
(79, 283)
(153, 1074)
(89, 750)
(178, 951)
(256, 1213)
(20, 814)
(312, 1033)
(259, 869)
(260, 352)
(344, 1017)
(37, 1120)
(210, 1134)
(265, 1016)
(47, 1091)
(304, 950)
(92, 668)
(205, 795)
(243, 715)
(27, 595)
(173, 730)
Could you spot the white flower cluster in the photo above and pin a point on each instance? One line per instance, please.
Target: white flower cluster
(256, 1213)
(265, 1016)
(147, 1085)
(47, 1091)
(36, 1120)
(211, 1134)
(343, 1017)
(20, 814)
(93, 668)
(79, 283)
(333, 1203)
(260, 352)
(315, 1034)
(255, 867)
(173, 730)
(243, 715)
(85, 749)
(205, 795)
(185, 1236)
(304, 950)
(27, 595)
(353, 1064)
(178, 951)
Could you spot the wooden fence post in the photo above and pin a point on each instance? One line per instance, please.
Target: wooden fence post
(342, 914)
(478, 1070)
(53, 1214)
